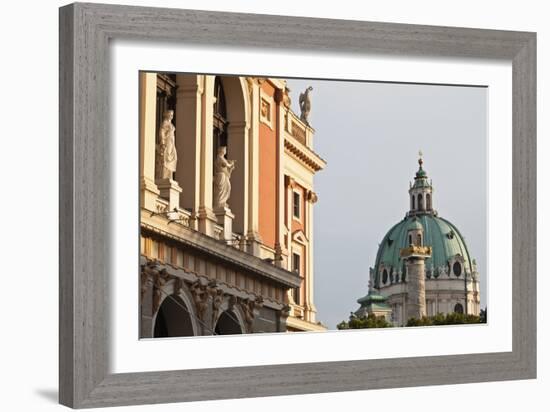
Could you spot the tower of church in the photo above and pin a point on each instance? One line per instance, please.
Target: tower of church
(423, 266)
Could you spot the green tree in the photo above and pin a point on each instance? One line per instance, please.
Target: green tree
(364, 322)
(452, 318)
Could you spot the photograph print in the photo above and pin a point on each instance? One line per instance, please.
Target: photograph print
(272, 204)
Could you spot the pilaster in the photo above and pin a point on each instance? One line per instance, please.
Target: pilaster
(252, 234)
(280, 178)
(206, 217)
(188, 138)
(238, 148)
(147, 136)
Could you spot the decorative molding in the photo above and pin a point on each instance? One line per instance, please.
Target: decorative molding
(266, 108)
(304, 155)
(414, 250)
(300, 237)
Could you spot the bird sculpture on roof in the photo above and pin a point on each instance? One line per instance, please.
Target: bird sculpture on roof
(305, 105)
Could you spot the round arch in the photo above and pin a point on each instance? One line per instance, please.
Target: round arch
(183, 296)
(236, 316)
(173, 319)
(237, 98)
(228, 324)
(238, 108)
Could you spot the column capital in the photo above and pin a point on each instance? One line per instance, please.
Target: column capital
(312, 196)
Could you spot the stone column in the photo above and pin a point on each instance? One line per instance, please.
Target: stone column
(237, 150)
(188, 138)
(147, 140)
(289, 186)
(253, 236)
(311, 199)
(416, 290)
(280, 249)
(205, 215)
(415, 257)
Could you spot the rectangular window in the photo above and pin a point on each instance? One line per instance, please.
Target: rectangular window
(296, 204)
(296, 263)
(296, 295)
(296, 269)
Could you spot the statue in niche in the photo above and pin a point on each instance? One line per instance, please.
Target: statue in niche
(167, 158)
(222, 178)
(305, 105)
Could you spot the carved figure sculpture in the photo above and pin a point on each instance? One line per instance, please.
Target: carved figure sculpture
(217, 300)
(222, 178)
(200, 297)
(248, 310)
(167, 157)
(305, 105)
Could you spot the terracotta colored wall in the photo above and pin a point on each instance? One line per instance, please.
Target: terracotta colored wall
(267, 181)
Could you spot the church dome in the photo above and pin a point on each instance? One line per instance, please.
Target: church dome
(449, 253)
(446, 241)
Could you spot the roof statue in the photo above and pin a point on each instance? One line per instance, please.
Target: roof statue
(305, 105)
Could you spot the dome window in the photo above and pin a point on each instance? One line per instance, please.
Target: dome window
(385, 277)
(457, 269)
(420, 203)
(459, 308)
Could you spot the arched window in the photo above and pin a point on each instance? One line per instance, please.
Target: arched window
(166, 96)
(413, 205)
(420, 203)
(419, 239)
(428, 201)
(457, 269)
(220, 116)
(385, 277)
(410, 240)
(459, 308)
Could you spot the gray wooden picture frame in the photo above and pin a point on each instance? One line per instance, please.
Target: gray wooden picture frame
(85, 32)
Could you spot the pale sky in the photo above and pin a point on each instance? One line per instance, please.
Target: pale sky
(370, 135)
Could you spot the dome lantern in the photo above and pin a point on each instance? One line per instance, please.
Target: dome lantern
(420, 193)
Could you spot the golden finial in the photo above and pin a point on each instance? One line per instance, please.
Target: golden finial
(420, 161)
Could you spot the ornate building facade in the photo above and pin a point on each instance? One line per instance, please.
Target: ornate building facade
(423, 266)
(226, 206)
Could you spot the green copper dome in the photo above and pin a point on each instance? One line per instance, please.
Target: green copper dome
(414, 224)
(444, 238)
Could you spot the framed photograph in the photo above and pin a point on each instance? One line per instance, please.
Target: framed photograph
(256, 205)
